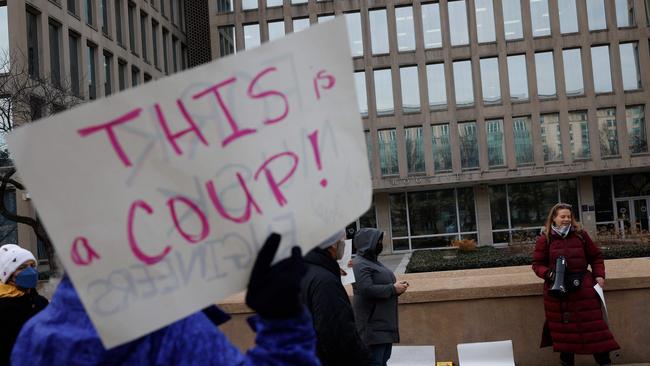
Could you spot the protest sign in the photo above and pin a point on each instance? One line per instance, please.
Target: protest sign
(344, 264)
(158, 198)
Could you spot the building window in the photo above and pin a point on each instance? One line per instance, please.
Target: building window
(431, 27)
(73, 45)
(92, 74)
(5, 65)
(468, 145)
(108, 73)
(183, 56)
(410, 89)
(121, 71)
(362, 96)
(602, 187)
(33, 62)
(545, 70)
(143, 37)
(247, 4)
(378, 32)
(298, 2)
(458, 22)
(518, 211)
(414, 150)
(490, 80)
(432, 219)
(517, 78)
(118, 22)
(90, 14)
(163, 10)
(485, 21)
(647, 11)
(276, 30)
(607, 133)
(226, 42)
(147, 78)
(551, 140)
(405, 29)
(132, 27)
(512, 19)
(436, 86)
(573, 72)
(154, 43)
(568, 16)
(251, 36)
(325, 18)
(579, 135)
(272, 3)
(104, 11)
(300, 24)
(384, 92)
(636, 129)
(625, 13)
(135, 76)
(463, 83)
(596, 14)
(355, 36)
(601, 68)
(72, 6)
(165, 41)
(496, 148)
(9, 228)
(223, 6)
(523, 140)
(175, 53)
(55, 53)
(387, 141)
(441, 147)
(630, 65)
(540, 19)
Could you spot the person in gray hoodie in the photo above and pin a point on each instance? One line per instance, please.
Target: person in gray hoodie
(375, 296)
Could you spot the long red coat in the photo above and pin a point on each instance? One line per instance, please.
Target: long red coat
(585, 332)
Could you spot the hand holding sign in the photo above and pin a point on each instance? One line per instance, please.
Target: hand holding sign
(165, 193)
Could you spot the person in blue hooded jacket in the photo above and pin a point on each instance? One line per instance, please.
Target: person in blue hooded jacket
(62, 334)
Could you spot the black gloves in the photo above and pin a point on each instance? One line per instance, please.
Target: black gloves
(274, 291)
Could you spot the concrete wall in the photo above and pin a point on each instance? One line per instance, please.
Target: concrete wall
(447, 308)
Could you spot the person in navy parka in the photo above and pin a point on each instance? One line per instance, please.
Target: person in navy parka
(62, 334)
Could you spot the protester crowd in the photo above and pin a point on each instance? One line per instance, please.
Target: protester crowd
(304, 315)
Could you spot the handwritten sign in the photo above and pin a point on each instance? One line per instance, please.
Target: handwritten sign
(159, 198)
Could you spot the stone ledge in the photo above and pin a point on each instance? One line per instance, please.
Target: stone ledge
(622, 274)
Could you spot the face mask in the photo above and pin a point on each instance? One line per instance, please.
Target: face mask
(27, 278)
(340, 249)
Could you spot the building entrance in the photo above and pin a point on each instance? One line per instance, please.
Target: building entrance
(633, 215)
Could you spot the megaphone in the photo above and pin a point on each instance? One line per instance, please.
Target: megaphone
(559, 288)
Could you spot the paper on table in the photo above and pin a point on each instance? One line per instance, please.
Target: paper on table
(599, 291)
(343, 263)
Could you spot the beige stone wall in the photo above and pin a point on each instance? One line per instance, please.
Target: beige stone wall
(448, 308)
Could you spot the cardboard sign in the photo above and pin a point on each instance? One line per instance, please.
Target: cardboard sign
(158, 198)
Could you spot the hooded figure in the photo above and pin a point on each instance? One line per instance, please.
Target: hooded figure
(375, 296)
(19, 300)
(338, 343)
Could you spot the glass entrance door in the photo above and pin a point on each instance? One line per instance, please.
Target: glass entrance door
(633, 215)
(641, 218)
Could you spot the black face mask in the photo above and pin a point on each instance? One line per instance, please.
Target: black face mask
(379, 248)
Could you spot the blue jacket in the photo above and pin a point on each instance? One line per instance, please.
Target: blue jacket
(62, 334)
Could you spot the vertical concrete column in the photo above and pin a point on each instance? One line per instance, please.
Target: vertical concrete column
(588, 218)
(382, 208)
(483, 218)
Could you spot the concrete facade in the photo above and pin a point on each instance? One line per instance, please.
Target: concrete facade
(238, 15)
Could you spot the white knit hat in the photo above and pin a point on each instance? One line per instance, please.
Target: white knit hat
(11, 257)
(332, 239)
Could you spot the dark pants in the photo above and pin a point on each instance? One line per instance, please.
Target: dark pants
(601, 358)
(380, 353)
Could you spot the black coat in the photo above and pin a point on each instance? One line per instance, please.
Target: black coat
(338, 343)
(16, 311)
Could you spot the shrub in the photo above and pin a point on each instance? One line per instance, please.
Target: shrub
(465, 245)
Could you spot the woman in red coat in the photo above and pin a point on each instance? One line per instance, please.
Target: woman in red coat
(574, 321)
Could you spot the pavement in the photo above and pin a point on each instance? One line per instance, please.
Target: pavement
(396, 262)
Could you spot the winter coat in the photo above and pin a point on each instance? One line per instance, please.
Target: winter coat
(62, 334)
(375, 298)
(338, 343)
(16, 311)
(583, 329)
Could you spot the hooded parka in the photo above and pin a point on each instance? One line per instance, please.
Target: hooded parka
(375, 298)
(574, 322)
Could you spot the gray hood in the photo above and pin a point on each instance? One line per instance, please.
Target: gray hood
(366, 241)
